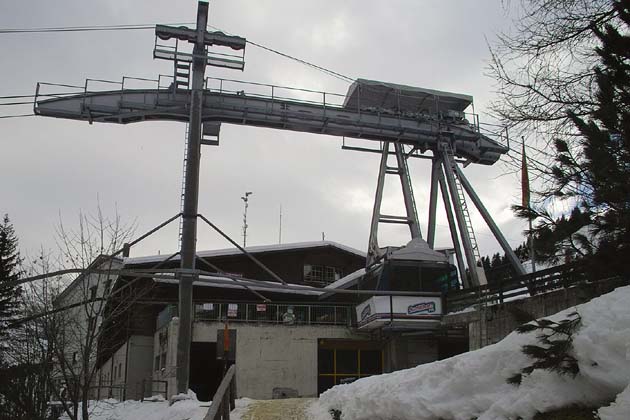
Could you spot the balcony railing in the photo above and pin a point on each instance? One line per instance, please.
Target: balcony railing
(276, 313)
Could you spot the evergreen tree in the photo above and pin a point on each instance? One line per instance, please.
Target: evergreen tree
(555, 352)
(595, 179)
(9, 272)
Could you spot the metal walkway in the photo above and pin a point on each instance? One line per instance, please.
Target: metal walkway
(263, 106)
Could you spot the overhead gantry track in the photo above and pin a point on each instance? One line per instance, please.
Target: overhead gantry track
(364, 113)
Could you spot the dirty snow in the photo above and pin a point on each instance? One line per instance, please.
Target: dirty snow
(188, 409)
(474, 384)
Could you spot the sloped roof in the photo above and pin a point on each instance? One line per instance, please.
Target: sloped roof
(252, 249)
(372, 93)
(418, 250)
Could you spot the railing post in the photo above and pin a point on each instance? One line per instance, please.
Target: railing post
(391, 310)
(233, 392)
(225, 405)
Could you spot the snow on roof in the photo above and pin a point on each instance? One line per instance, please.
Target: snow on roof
(418, 250)
(252, 250)
(220, 282)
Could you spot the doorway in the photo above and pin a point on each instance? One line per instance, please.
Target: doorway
(205, 370)
(345, 361)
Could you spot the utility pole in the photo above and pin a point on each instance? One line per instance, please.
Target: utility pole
(246, 200)
(201, 40)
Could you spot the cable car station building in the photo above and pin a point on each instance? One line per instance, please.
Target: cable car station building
(299, 342)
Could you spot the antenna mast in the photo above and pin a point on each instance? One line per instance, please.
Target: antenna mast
(245, 199)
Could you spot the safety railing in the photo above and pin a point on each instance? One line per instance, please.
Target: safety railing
(274, 92)
(507, 289)
(276, 313)
(224, 399)
(281, 94)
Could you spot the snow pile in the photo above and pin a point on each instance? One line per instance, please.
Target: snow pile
(474, 384)
(188, 409)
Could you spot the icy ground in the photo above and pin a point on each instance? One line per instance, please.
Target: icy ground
(474, 384)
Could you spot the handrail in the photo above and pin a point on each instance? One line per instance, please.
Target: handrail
(554, 278)
(224, 399)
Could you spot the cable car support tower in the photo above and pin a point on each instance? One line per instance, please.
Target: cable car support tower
(412, 120)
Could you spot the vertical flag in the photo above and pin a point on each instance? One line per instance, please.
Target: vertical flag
(525, 203)
(524, 179)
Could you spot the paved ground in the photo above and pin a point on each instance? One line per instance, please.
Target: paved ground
(287, 409)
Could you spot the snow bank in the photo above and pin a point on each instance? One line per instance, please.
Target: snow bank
(474, 384)
(188, 409)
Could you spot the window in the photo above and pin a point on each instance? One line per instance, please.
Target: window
(157, 362)
(93, 292)
(74, 358)
(163, 360)
(321, 274)
(346, 364)
(119, 370)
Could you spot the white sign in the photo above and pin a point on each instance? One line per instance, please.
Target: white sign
(208, 306)
(232, 310)
(380, 310)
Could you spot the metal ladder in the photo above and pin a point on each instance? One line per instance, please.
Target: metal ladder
(462, 201)
(181, 198)
(181, 76)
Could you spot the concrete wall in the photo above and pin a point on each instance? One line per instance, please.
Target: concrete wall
(495, 322)
(274, 356)
(403, 352)
(120, 377)
(111, 376)
(139, 364)
(165, 342)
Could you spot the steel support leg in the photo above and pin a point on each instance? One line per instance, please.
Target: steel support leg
(516, 263)
(435, 168)
(191, 201)
(373, 248)
(407, 189)
(452, 225)
(461, 222)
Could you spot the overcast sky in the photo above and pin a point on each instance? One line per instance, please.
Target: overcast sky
(54, 168)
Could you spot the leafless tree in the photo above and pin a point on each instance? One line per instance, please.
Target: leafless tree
(544, 66)
(72, 311)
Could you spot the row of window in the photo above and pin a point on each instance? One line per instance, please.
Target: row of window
(321, 274)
